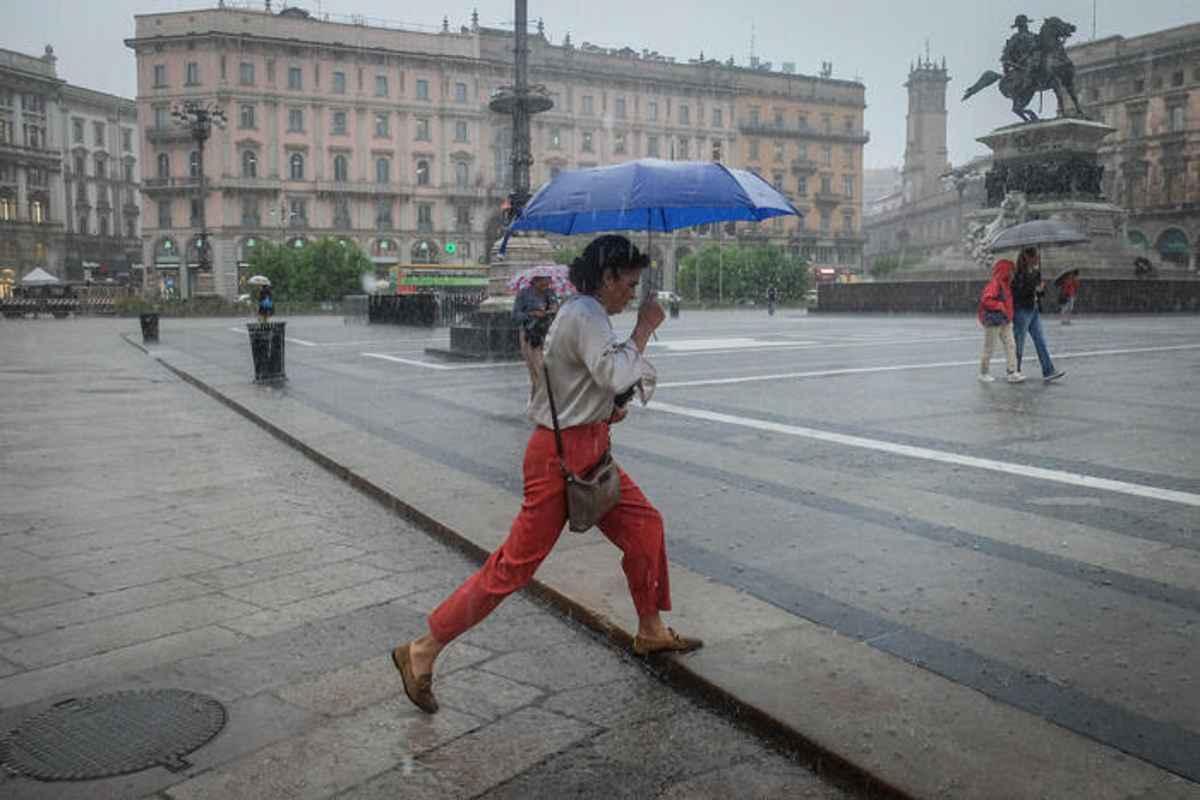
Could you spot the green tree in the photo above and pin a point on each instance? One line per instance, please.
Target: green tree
(565, 255)
(327, 269)
(742, 273)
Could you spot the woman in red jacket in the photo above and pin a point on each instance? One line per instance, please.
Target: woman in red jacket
(996, 315)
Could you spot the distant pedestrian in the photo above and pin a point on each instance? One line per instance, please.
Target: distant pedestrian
(533, 311)
(589, 366)
(1027, 289)
(996, 315)
(772, 296)
(1068, 287)
(266, 304)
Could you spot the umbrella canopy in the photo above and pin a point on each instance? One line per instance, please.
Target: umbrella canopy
(557, 273)
(1062, 275)
(259, 280)
(650, 195)
(39, 277)
(1037, 233)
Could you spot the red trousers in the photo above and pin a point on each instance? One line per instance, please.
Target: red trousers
(634, 526)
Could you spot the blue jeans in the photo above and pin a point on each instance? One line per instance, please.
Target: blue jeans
(1028, 319)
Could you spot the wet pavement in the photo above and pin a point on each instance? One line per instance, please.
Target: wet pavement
(150, 537)
(966, 590)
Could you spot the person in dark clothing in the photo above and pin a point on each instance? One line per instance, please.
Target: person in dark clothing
(534, 310)
(1027, 288)
(266, 304)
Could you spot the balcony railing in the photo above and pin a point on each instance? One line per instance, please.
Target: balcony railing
(855, 136)
(804, 166)
(830, 198)
(167, 135)
(170, 184)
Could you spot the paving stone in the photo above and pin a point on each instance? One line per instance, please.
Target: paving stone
(632, 698)
(482, 693)
(18, 595)
(566, 665)
(142, 572)
(302, 585)
(247, 546)
(580, 774)
(276, 566)
(89, 608)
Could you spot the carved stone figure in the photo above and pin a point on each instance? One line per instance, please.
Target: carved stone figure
(977, 237)
(1034, 63)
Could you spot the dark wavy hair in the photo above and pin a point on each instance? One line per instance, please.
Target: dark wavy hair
(609, 253)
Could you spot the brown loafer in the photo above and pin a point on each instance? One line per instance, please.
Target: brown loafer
(673, 643)
(419, 688)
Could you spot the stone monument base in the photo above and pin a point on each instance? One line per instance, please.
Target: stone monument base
(491, 335)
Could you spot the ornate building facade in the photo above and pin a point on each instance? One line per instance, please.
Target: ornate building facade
(1148, 88)
(383, 136)
(31, 187)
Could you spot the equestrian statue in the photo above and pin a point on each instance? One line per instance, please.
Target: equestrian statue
(1034, 62)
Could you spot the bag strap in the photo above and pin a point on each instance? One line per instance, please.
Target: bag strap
(562, 461)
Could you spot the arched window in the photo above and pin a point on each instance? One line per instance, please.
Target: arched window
(462, 174)
(166, 251)
(341, 168)
(1138, 240)
(1173, 247)
(296, 167)
(249, 164)
(422, 173)
(424, 252)
(37, 211)
(164, 165)
(383, 170)
(194, 164)
(385, 248)
(246, 249)
(298, 243)
(8, 207)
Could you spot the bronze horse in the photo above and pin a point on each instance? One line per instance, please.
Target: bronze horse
(1049, 68)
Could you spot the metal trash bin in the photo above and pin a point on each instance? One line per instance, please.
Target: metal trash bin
(673, 307)
(149, 328)
(266, 348)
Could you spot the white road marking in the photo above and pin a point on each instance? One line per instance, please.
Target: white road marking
(902, 367)
(444, 367)
(927, 454)
(728, 343)
(304, 342)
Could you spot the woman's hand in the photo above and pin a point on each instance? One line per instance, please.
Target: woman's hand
(650, 316)
(618, 414)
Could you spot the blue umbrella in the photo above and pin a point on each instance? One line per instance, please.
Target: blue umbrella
(649, 195)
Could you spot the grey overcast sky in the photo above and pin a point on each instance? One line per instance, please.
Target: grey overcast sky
(872, 40)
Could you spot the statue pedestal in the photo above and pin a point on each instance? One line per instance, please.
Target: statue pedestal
(491, 335)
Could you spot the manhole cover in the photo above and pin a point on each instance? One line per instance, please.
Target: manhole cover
(112, 734)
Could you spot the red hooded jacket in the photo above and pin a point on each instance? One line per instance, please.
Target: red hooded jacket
(997, 294)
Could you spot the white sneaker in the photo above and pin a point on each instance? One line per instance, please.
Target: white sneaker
(985, 378)
(1015, 377)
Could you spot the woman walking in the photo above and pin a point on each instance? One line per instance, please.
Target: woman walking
(1027, 287)
(588, 366)
(996, 315)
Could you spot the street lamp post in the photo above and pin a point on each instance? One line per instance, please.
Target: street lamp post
(199, 120)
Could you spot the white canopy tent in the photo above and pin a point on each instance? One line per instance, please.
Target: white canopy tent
(39, 277)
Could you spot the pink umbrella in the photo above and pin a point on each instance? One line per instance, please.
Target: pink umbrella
(557, 273)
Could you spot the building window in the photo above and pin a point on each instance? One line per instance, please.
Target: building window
(246, 74)
(587, 142)
(684, 148)
(296, 120)
(341, 212)
(424, 224)
(250, 212)
(718, 121)
(1177, 118)
(383, 221)
(341, 168)
(164, 213)
(684, 115)
(249, 164)
(8, 208)
(460, 131)
(383, 170)
(77, 130)
(825, 185)
(160, 117)
(460, 93)
(422, 89)
(848, 222)
(193, 164)
(339, 83)
(619, 143)
(296, 167)
(619, 108)
(555, 138)
(554, 172)
(80, 166)
(802, 186)
(716, 149)
(164, 165)
(587, 104)
(462, 219)
(127, 171)
(1137, 124)
(298, 214)
(126, 140)
(381, 126)
(825, 221)
(381, 86)
(160, 76)
(246, 117)
(194, 213)
(652, 111)
(98, 134)
(778, 148)
(652, 146)
(827, 155)
(462, 174)
(193, 74)
(423, 134)
(848, 185)
(295, 78)
(754, 149)
(422, 173)
(339, 123)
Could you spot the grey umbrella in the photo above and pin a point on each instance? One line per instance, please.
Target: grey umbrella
(1035, 234)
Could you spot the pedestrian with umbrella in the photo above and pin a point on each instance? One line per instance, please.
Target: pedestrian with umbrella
(1068, 286)
(587, 368)
(266, 302)
(1028, 286)
(533, 310)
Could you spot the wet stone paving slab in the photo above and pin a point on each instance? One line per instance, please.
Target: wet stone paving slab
(159, 541)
